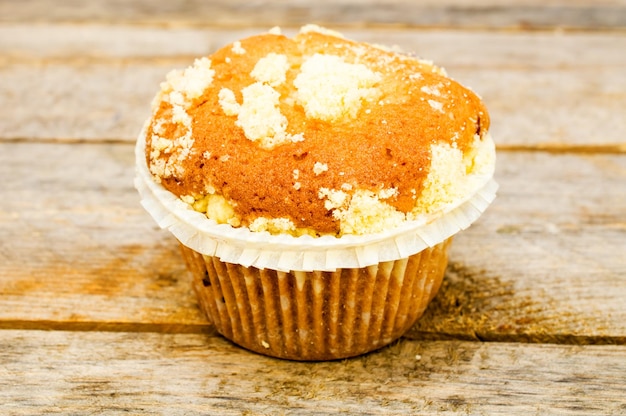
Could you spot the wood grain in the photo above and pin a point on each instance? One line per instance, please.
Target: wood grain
(544, 264)
(463, 48)
(527, 14)
(550, 243)
(540, 90)
(97, 315)
(72, 233)
(113, 373)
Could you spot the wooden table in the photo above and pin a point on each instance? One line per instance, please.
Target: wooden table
(96, 311)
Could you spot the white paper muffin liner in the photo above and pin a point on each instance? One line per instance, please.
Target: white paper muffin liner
(288, 253)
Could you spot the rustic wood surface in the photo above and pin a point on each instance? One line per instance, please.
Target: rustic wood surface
(96, 312)
(507, 14)
(541, 90)
(180, 374)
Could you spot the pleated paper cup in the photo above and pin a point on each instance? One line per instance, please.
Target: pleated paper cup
(308, 298)
(316, 315)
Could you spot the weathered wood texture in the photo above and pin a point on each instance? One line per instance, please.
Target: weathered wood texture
(545, 264)
(72, 233)
(130, 373)
(526, 14)
(69, 83)
(81, 259)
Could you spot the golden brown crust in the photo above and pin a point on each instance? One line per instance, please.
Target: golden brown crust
(387, 145)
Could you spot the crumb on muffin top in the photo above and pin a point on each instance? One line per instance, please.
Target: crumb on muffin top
(315, 134)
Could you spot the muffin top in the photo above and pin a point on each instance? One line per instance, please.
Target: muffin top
(316, 134)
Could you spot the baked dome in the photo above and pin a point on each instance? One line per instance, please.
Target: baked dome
(316, 134)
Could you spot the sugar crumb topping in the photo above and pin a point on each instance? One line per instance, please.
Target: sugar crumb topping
(178, 90)
(436, 105)
(237, 48)
(275, 31)
(175, 149)
(319, 168)
(333, 198)
(362, 212)
(271, 69)
(431, 90)
(296, 175)
(228, 102)
(259, 115)
(188, 199)
(387, 193)
(451, 173)
(331, 89)
(273, 225)
(319, 29)
(215, 207)
(192, 81)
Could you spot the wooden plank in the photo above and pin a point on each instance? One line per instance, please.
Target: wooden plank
(541, 93)
(579, 14)
(74, 240)
(545, 264)
(77, 102)
(115, 373)
(458, 48)
(549, 245)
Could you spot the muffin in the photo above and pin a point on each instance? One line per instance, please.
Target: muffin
(315, 184)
